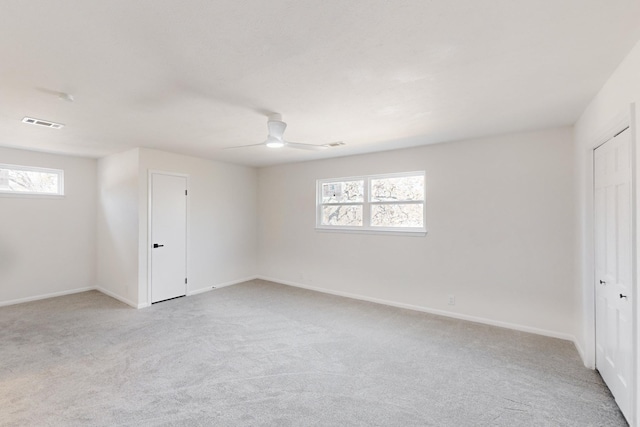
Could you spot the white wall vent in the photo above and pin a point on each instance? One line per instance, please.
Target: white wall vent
(43, 123)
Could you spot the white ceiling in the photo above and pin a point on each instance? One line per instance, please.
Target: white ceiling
(194, 77)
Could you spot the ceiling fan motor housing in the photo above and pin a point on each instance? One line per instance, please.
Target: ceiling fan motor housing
(276, 128)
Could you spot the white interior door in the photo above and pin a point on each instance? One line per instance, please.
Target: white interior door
(168, 236)
(613, 233)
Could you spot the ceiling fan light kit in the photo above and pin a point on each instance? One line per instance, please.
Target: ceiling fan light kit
(274, 143)
(276, 128)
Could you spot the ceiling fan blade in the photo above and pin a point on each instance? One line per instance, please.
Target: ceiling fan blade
(245, 146)
(301, 146)
(61, 95)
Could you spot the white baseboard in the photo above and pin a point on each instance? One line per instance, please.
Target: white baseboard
(445, 313)
(220, 285)
(189, 293)
(580, 352)
(45, 296)
(120, 298)
(507, 325)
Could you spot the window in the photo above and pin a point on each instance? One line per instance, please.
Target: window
(30, 180)
(387, 203)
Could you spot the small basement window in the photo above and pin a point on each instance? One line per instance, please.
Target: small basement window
(378, 203)
(29, 180)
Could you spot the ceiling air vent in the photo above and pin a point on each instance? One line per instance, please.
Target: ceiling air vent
(43, 123)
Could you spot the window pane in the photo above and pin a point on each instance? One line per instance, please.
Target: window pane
(27, 181)
(343, 192)
(347, 215)
(401, 188)
(404, 215)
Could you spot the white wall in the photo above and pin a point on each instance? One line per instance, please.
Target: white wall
(47, 244)
(222, 238)
(622, 88)
(606, 113)
(117, 226)
(500, 214)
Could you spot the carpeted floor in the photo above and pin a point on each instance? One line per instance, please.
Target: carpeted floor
(260, 353)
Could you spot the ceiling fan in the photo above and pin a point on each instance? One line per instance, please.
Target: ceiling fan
(276, 128)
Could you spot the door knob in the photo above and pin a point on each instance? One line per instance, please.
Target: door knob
(155, 245)
(602, 282)
(623, 296)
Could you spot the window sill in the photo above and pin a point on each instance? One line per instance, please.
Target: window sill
(31, 195)
(389, 232)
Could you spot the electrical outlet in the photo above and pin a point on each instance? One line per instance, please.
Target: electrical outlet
(452, 300)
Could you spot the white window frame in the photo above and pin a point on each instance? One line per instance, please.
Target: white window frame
(58, 172)
(367, 204)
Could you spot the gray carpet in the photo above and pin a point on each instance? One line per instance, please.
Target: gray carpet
(260, 353)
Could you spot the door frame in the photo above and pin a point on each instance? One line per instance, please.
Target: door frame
(631, 119)
(151, 172)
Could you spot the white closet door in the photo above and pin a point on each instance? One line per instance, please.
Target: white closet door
(613, 212)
